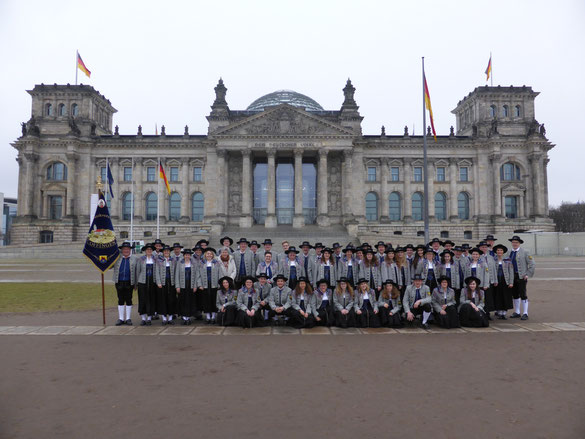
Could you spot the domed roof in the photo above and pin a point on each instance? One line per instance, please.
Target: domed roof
(284, 97)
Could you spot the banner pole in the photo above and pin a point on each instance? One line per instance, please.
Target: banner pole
(103, 301)
(76, 56)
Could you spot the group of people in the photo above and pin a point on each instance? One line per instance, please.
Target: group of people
(347, 286)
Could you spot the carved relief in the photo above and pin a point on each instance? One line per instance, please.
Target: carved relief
(234, 184)
(334, 184)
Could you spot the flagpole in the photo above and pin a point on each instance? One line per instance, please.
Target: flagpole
(103, 301)
(492, 69)
(76, 56)
(158, 202)
(425, 162)
(132, 205)
(107, 181)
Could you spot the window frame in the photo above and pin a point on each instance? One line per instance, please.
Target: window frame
(370, 175)
(441, 173)
(174, 174)
(395, 212)
(370, 207)
(443, 212)
(418, 176)
(417, 208)
(193, 207)
(195, 174)
(394, 176)
(150, 174)
(150, 204)
(464, 208)
(461, 168)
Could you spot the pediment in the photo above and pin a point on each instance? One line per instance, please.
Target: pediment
(513, 187)
(283, 120)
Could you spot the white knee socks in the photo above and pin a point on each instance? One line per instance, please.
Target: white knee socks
(121, 309)
(525, 307)
(426, 316)
(143, 317)
(128, 311)
(517, 306)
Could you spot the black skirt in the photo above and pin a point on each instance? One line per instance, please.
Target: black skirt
(387, 320)
(502, 296)
(367, 319)
(186, 300)
(166, 300)
(326, 315)
(345, 320)
(227, 317)
(489, 300)
(208, 297)
(296, 320)
(245, 321)
(471, 318)
(147, 297)
(449, 320)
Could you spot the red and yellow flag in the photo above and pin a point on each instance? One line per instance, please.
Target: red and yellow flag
(488, 71)
(428, 106)
(161, 173)
(81, 66)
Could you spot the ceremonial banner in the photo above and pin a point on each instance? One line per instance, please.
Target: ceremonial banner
(101, 247)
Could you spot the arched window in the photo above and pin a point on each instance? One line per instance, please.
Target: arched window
(395, 213)
(197, 206)
(151, 206)
(510, 172)
(62, 110)
(127, 206)
(493, 111)
(440, 206)
(372, 206)
(505, 112)
(463, 206)
(74, 110)
(417, 206)
(49, 109)
(175, 207)
(57, 171)
(517, 111)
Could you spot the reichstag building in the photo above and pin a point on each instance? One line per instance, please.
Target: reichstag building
(284, 160)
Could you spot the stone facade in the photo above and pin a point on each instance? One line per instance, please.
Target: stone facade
(489, 175)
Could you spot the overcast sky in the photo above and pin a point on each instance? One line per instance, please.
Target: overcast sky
(158, 62)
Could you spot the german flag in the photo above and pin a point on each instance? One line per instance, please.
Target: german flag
(81, 66)
(488, 71)
(428, 106)
(161, 173)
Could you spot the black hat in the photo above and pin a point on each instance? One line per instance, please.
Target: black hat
(359, 249)
(264, 275)
(361, 280)
(448, 241)
(502, 246)
(447, 252)
(435, 240)
(336, 245)
(292, 250)
(221, 240)
(166, 247)
(125, 244)
(343, 279)
(470, 278)
(305, 244)
(203, 241)
(482, 243)
(322, 281)
(349, 247)
(243, 240)
(429, 250)
(381, 243)
(208, 249)
(229, 279)
(302, 279)
(267, 241)
(465, 246)
(158, 241)
(390, 249)
(475, 250)
(409, 246)
(369, 250)
(421, 246)
(389, 281)
(399, 249)
(328, 249)
(254, 242)
(516, 238)
(319, 245)
(198, 247)
(442, 278)
(417, 277)
(177, 245)
(148, 246)
(280, 276)
(458, 248)
(490, 238)
(187, 251)
(366, 245)
(245, 278)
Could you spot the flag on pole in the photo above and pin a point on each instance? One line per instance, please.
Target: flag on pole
(488, 70)
(101, 247)
(164, 177)
(155, 129)
(110, 180)
(428, 106)
(81, 66)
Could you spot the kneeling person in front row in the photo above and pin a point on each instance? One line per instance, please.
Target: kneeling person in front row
(249, 304)
(280, 299)
(390, 305)
(417, 301)
(366, 306)
(324, 303)
(343, 300)
(302, 305)
(471, 309)
(443, 301)
(226, 299)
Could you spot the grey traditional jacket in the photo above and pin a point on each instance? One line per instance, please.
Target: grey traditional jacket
(214, 274)
(263, 268)
(373, 270)
(410, 296)
(248, 262)
(310, 302)
(132, 261)
(391, 272)
(319, 298)
(490, 262)
(342, 301)
(440, 298)
(285, 269)
(180, 274)
(344, 269)
(482, 273)
(309, 270)
(455, 284)
(160, 273)
(508, 270)
(320, 274)
(263, 291)
(394, 305)
(141, 269)
(229, 271)
(226, 299)
(280, 297)
(425, 269)
(480, 303)
(524, 261)
(242, 300)
(358, 300)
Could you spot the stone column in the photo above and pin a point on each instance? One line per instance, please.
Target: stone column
(453, 211)
(536, 184)
(545, 162)
(71, 183)
(407, 196)
(347, 174)
(299, 218)
(185, 193)
(322, 208)
(497, 195)
(222, 179)
(431, 186)
(384, 195)
(138, 194)
(521, 210)
(31, 159)
(482, 185)
(270, 221)
(246, 217)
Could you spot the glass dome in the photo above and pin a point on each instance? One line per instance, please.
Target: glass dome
(284, 97)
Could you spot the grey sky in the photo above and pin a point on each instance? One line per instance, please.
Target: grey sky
(158, 62)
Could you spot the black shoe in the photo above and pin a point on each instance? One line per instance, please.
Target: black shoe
(149, 323)
(171, 322)
(515, 316)
(129, 322)
(524, 317)
(163, 323)
(155, 317)
(143, 323)
(184, 322)
(425, 326)
(503, 317)
(489, 317)
(119, 322)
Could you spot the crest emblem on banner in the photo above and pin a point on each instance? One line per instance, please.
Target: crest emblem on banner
(101, 247)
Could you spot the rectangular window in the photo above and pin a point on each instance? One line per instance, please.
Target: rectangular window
(441, 173)
(55, 207)
(511, 207)
(371, 173)
(467, 234)
(464, 173)
(127, 173)
(174, 176)
(103, 174)
(150, 173)
(395, 173)
(418, 173)
(444, 234)
(197, 173)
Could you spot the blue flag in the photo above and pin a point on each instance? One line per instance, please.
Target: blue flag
(110, 181)
(101, 247)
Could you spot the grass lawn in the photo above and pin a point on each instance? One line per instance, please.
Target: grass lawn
(38, 297)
